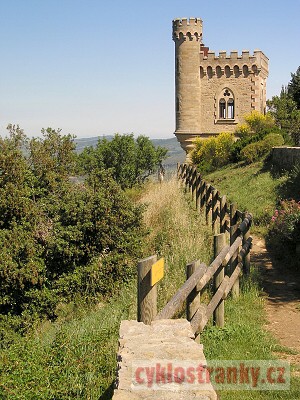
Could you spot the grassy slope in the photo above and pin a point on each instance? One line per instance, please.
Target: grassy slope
(251, 187)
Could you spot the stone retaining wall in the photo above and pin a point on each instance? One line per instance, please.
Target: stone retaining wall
(284, 158)
(153, 361)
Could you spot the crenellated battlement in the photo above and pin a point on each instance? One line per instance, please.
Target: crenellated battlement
(257, 57)
(233, 62)
(187, 27)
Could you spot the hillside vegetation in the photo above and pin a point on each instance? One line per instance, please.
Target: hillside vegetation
(83, 239)
(59, 240)
(74, 357)
(252, 187)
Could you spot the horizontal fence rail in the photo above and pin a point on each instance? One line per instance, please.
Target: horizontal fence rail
(230, 260)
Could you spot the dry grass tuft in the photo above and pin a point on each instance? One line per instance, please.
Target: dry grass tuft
(176, 232)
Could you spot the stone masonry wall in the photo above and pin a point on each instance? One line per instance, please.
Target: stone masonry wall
(210, 122)
(245, 76)
(167, 348)
(284, 158)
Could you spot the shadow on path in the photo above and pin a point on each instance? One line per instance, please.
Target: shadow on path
(281, 287)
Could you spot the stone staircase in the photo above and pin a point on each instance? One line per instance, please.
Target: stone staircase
(161, 361)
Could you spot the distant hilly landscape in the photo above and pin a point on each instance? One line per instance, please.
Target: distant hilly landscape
(175, 152)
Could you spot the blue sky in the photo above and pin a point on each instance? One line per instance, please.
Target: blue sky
(95, 67)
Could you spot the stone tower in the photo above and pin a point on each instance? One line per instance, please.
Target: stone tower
(213, 92)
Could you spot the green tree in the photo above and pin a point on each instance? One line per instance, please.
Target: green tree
(129, 161)
(17, 182)
(59, 238)
(286, 115)
(52, 158)
(294, 87)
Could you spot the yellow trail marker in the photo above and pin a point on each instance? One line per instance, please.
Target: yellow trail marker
(157, 271)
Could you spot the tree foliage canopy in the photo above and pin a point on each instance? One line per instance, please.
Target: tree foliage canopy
(214, 152)
(294, 87)
(60, 238)
(285, 108)
(129, 161)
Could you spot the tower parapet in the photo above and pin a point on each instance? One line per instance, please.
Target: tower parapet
(256, 63)
(187, 28)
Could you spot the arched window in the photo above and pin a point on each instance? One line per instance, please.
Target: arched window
(236, 71)
(227, 71)
(222, 106)
(226, 105)
(230, 109)
(245, 70)
(209, 71)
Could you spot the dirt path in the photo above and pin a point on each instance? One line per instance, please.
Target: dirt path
(282, 289)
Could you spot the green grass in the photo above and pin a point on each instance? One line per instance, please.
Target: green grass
(252, 187)
(244, 338)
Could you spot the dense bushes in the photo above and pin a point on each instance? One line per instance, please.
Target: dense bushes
(256, 137)
(59, 238)
(284, 233)
(256, 126)
(214, 152)
(261, 149)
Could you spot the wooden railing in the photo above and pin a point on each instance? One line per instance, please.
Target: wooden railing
(230, 260)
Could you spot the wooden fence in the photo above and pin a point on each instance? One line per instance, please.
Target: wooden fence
(228, 224)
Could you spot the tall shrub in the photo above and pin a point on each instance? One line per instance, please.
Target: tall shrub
(59, 239)
(261, 149)
(214, 152)
(284, 233)
(255, 128)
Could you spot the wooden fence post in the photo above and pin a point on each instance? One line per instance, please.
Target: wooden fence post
(194, 177)
(191, 180)
(207, 202)
(193, 299)
(219, 244)
(178, 171)
(198, 192)
(223, 208)
(214, 207)
(183, 175)
(202, 194)
(246, 264)
(187, 177)
(187, 169)
(147, 294)
(233, 236)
